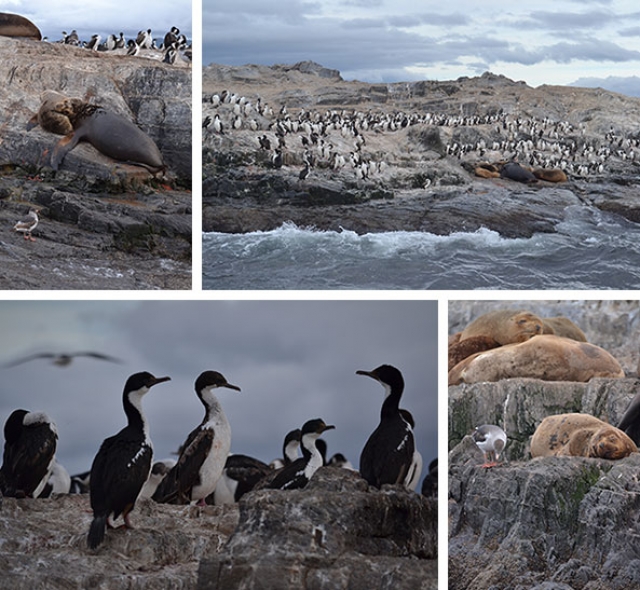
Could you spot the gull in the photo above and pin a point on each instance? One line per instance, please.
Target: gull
(62, 359)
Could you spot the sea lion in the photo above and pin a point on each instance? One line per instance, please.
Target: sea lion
(561, 326)
(461, 349)
(112, 135)
(514, 171)
(505, 326)
(55, 113)
(546, 356)
(14, 25)
(486, 171)
(630, 421)
(580, 435)
(550, 174)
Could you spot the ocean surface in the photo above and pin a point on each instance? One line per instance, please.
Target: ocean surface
(590, 250)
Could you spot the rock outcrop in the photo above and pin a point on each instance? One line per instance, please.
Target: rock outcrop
(394, 157)
(555, 522)
(335, 534)
(104, 224)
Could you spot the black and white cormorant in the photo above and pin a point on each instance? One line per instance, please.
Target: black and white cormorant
(388, 454)
(240, 475)
(297, 474)
(205, 451)
(123, 462)
(158, 472)
(415, 471)
(30, 440)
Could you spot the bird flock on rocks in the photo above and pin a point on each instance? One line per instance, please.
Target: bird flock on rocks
(205, 471)
(346, 138)
(173, 47)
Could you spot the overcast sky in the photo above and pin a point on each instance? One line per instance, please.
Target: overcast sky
(546, 41)
(294, 360)
(103, 16)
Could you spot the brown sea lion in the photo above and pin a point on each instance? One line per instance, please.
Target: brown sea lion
(580, 435)
(14, 25)
(514, 171)
(486, 171)
(550, 174)
(55, 113)
(561, 326)
(458, 351)
(505, 326)
(546, 356)
(112, 135)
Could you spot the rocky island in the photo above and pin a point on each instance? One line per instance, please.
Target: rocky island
(298, 143)
(103, 224)
(337, 533)
(550, 523)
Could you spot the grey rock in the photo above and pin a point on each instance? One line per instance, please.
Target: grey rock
(335, 533)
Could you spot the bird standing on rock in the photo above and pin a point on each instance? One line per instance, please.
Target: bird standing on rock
(26, 226)
(203, 455)
(123, 462)
(491, 440)
(388, 454)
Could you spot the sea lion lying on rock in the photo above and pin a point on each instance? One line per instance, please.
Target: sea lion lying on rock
(112, 135)
(513, 171)
(486, 171)
(493, 329)
(545, 356)
(561, 326)
(55, 112)
(550, 174)
(580, 435)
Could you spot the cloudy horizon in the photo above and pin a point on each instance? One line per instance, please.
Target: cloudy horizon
(293, 360)
(103, 17)
(560, 42)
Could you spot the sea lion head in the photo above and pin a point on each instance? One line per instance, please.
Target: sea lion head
(525, 325)
(610, 443)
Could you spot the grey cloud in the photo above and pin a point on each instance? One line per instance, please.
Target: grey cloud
(629, 86)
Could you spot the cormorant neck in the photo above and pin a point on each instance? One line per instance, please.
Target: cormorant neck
(391, 403)
(211, 404)
(132, 403)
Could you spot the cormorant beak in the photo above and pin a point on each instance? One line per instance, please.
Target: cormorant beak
(327, 427)
(371, 374)
(229, 386)
(157, 380)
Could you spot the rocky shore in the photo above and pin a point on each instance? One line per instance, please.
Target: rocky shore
(389, 157)
(103, 224)
(561, 523)
(335, 534)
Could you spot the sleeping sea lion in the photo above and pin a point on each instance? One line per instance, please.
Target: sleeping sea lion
(550, 174)
(14, 25)
(580, 435)
(514, 171)
(505, 326)
(546, 356)
(561, 326)
(112, 135)
(55, 113)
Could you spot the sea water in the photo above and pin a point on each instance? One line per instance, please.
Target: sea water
(590, 249)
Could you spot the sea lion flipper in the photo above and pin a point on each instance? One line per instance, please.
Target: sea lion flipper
(65, 145)
(33, 122)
